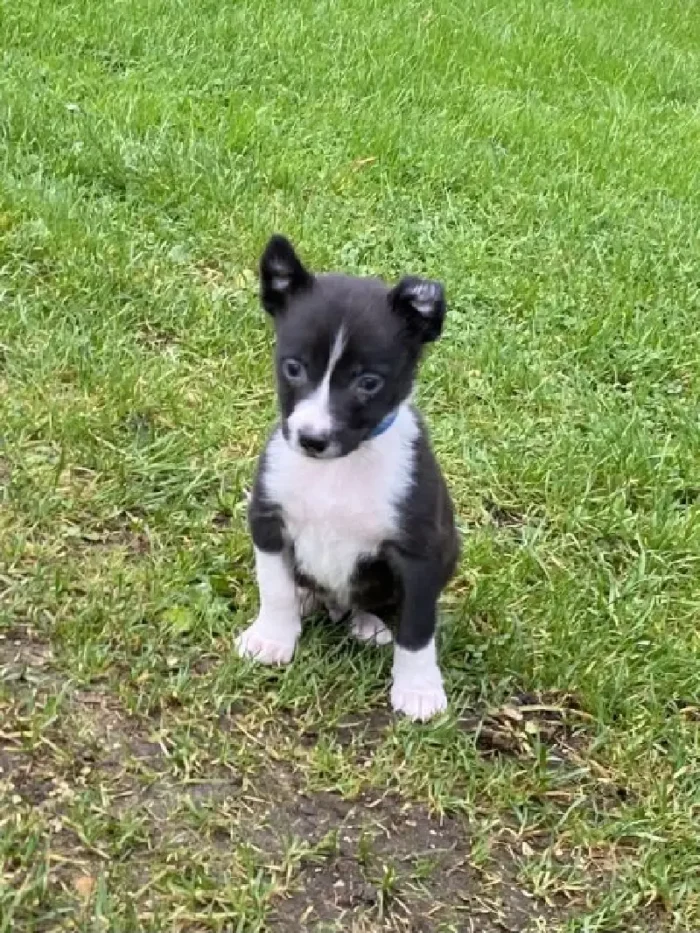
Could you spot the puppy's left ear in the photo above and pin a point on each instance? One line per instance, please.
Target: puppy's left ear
(282, 274)
(421, 302)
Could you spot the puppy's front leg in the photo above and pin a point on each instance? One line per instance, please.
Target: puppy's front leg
(417, 688)
(272, 638)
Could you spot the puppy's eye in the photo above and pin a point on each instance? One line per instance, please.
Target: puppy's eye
(368, 384)
(294, 372)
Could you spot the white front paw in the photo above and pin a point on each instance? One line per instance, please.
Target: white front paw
(370, 629)
(417, 689)
(419, 702)
(269, 642)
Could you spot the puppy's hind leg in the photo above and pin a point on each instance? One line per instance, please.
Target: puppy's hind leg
(309, 602)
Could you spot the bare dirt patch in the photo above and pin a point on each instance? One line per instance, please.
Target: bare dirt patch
(383, 863)
(108, 791)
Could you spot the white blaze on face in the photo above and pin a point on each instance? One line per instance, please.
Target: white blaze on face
(313, 414)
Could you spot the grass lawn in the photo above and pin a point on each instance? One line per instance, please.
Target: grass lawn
(542, 160)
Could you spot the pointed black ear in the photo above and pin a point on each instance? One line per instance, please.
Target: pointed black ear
(281, 274)
(421, 302)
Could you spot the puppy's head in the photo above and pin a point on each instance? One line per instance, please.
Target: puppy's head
(346, 350)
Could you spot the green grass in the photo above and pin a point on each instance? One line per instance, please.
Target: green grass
(539, 158)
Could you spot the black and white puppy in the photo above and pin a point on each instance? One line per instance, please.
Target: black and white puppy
(349, 503)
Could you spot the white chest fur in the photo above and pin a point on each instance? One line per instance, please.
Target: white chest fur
(337, 511)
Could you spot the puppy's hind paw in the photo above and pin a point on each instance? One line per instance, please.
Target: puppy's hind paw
(367, 628)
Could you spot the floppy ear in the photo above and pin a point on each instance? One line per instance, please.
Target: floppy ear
(281, 274)
(421, 302)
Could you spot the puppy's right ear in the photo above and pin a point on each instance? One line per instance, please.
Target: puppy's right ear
(282, 274)
(421, 303)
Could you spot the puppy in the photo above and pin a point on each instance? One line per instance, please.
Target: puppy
(349, 505)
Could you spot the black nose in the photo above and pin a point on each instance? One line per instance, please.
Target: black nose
(313, 443)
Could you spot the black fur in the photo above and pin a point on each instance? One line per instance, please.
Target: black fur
(264, 517)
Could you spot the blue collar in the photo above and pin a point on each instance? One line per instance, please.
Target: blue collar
(384, 424)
